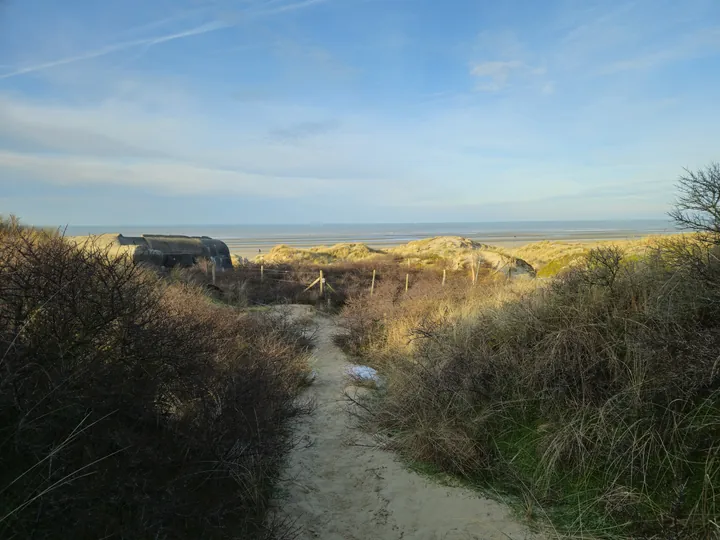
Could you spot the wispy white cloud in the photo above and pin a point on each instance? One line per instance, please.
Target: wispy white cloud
(303, 130)
(695, 45)
(254, 9)
(109, 49)
(271, 9)
(612, 38)
(353, 154)
(305, 58)
(494, 75)
(507, 61)
(165, 21)
(593, 25)
(548, 88)
(164, 177)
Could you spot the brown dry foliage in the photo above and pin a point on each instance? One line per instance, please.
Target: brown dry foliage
(133, 408)
(243, 285)
(596, 394)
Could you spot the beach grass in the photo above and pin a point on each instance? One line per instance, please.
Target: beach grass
(593, 397)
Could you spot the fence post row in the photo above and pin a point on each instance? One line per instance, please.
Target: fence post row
(320, 280)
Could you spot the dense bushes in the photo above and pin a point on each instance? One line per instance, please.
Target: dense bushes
(131, 408)
(283, 283)
(596, 397)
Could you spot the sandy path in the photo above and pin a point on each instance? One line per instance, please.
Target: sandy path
(339, 486)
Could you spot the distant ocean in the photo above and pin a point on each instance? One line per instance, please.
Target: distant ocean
(248, 239)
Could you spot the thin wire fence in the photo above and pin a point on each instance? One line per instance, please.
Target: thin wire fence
(303, 276)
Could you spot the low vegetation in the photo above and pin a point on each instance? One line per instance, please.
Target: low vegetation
(345, 252)
(544, 259)
(594, 398)
(131, 407)
(262, 285)
(449, 252)
(550, 257)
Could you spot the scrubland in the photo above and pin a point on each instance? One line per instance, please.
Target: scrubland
(132, 406)
(142, 403)
(451, 252)
(136, 400)
(592, 400)
(546, 258)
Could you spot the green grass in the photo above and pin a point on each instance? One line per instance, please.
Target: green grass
(555, 266)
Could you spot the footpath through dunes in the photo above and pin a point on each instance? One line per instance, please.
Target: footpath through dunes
(340, 485)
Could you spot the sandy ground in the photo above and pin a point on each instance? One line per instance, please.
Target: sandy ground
(339, 485)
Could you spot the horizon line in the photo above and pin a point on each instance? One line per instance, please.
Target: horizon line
(323, 224)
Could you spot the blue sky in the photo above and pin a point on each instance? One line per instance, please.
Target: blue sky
(294, 111)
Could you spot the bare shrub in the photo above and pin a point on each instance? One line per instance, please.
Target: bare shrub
(247, 285)
(602, 265)
(132, 407)
(698, 205)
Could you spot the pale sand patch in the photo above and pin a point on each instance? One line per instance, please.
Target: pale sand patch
(339, 485)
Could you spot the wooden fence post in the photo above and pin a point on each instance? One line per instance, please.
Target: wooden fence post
(444, 275)
(407, 281)
(262, 272)
(477, 271)
(317, 280)
(321, 283)
(213, 272)
(372, 284)
(472, 271)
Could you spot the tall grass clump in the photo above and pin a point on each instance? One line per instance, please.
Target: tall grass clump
(386, 325)
(594, 397)
(131, 407)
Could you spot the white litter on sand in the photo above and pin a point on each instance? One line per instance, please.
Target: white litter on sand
(363, 373)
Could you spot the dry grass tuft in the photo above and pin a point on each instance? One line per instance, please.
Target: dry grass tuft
(595, 395)
(319, 255)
